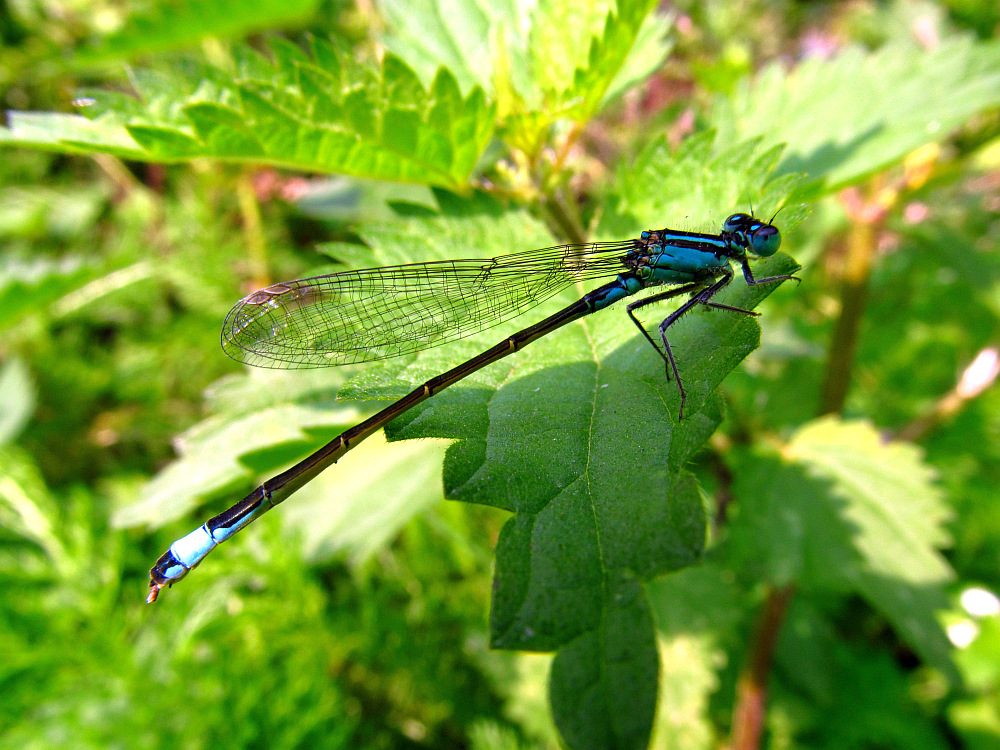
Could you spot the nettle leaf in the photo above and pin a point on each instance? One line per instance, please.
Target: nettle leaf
(849, 117)
(631, 48)
(697, 186)
(363, 505)
(552, 59)
(321, 112)
(604, 684)
(843, 510)
(580, 440)
(578, 436)
(221, 454)
(262, 421)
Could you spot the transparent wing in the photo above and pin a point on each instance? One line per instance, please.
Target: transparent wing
(372, 314)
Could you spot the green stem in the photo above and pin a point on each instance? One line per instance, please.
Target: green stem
(567, 220)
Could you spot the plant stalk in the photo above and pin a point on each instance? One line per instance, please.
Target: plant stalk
(253, 230)
(751, 690)
(868, 218)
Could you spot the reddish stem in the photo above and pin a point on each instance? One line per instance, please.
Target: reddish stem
(751, 690)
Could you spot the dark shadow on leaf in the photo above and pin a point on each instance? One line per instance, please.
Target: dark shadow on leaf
(823, 159)
(788, 529)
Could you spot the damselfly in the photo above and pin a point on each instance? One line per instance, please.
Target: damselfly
(372, 314)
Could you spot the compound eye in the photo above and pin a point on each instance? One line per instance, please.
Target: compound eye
(765, 241)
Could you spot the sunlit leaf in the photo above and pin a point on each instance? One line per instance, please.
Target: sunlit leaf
(849, 512)
(540, 62)
(319, 112)
(162, 26)
(846, 118)
(17, 399)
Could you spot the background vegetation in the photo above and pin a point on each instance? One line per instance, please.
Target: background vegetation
(811, 559)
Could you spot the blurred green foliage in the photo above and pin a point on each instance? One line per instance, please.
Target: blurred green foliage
(830, 515)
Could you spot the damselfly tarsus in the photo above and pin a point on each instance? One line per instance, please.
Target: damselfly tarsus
(372, 314)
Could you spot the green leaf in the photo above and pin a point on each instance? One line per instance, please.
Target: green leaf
(361, 507)
(554, 59)
(29, 511)
(69, 134)
(577, 435)
(162, 26)
(846, 118)
(319, 113)
(17, 398)
(271, 418)
(697, 186)
(631, 48)
(846, 511)
(211, 462)
(30, 286)
(603, 685)
(33, 212)
(581, 441)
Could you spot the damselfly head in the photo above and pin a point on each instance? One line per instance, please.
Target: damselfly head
(760, 239)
